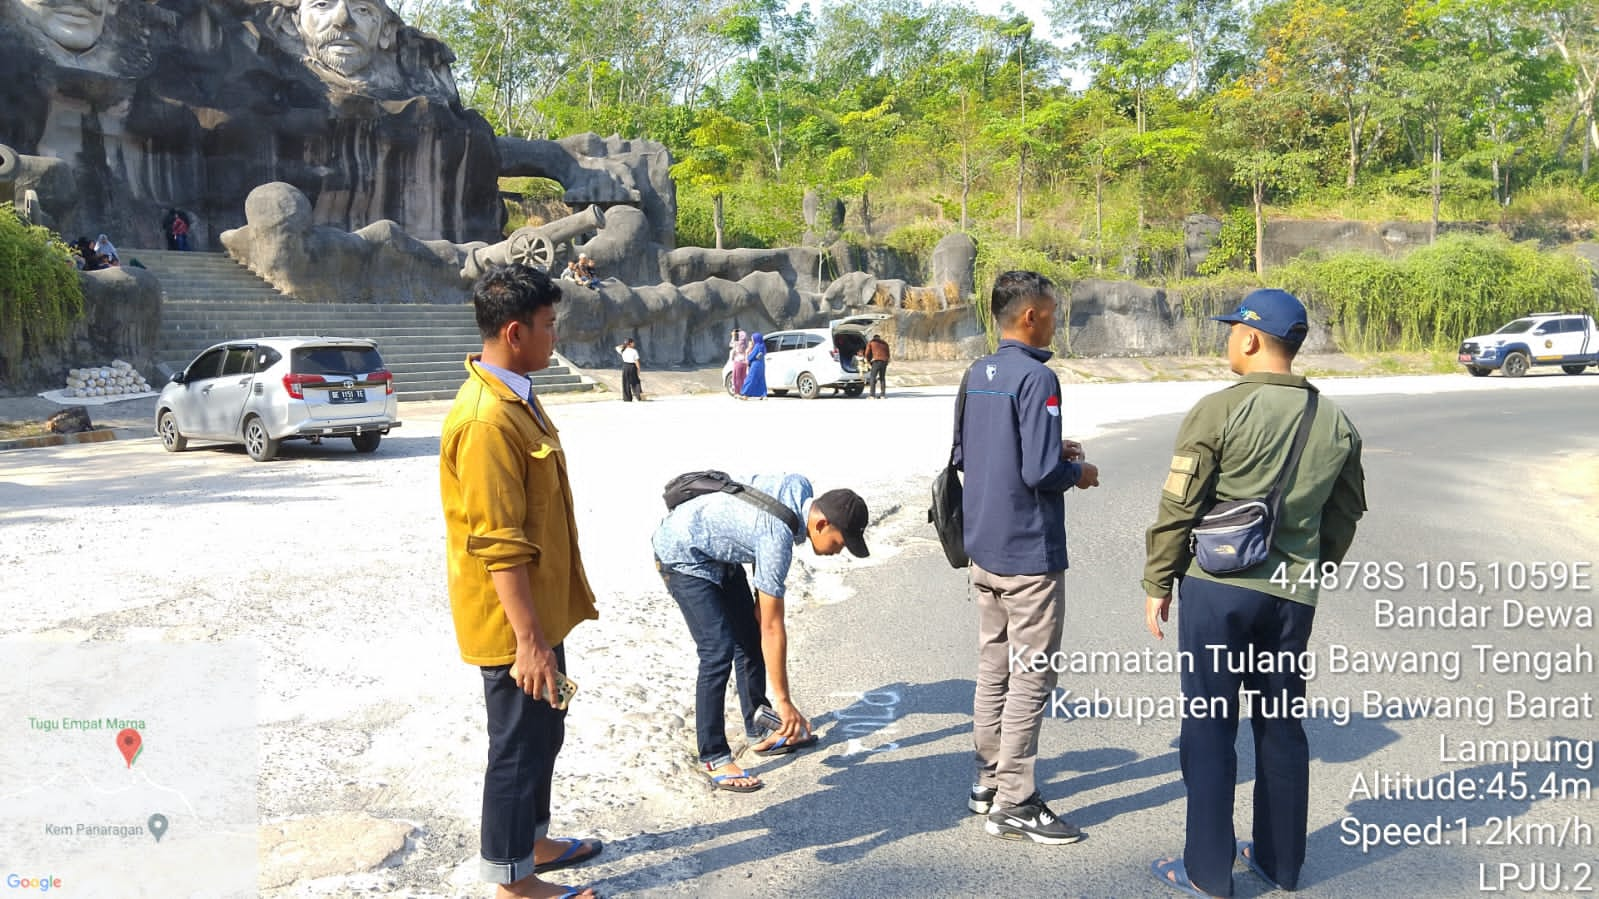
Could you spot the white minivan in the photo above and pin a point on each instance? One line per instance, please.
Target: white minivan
(810, 359)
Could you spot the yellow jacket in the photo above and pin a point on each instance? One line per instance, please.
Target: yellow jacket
(507, 502)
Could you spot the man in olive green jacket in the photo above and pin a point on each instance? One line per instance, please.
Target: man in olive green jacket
(1232, 446)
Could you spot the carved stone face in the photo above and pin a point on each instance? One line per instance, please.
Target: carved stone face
(74, 24)
(343, 35)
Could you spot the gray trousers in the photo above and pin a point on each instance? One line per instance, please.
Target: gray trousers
(1023, 612)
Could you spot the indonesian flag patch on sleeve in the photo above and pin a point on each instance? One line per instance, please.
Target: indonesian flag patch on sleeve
(1052, 406)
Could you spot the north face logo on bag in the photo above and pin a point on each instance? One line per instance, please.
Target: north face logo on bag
(991, 371)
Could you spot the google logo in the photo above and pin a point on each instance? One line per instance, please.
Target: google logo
(42, 884)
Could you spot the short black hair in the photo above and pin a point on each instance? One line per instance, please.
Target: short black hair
(509, 293)
(1017, 290)
(1287, 348)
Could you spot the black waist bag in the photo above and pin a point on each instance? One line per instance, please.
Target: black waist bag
(1236, 534)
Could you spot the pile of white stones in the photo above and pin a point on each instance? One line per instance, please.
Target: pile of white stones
(116, 379)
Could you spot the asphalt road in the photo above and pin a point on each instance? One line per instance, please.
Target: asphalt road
(878, 810)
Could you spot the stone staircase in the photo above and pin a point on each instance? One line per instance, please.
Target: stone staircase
(423, 345)
(214, 277)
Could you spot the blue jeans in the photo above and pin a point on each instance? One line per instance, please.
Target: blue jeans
(721, 618)
(525, 735)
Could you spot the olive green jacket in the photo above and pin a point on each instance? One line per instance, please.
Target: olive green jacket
(1233, 445)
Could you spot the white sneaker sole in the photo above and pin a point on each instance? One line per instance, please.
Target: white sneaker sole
(1006, 832)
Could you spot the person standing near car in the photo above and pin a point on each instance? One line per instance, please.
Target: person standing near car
(755, 378)
(1234, 445)
(701, 548)
(877, 357)
(1018, 469)
(738, 351)
(631, 385)
(516, 579)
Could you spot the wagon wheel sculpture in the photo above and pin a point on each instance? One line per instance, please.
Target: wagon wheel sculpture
(531, 248)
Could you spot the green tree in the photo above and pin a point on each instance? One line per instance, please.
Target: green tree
(718, 146)
(41, 296)
(1262, 132)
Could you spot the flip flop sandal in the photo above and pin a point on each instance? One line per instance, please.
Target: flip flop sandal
(1246, 852)
(574, 854)
(1167, 869)
(785, 746)
(725, 782)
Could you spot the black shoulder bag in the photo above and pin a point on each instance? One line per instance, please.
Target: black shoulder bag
(1236, 534)
(945, 514)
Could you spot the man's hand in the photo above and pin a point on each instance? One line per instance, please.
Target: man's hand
(1156, 610)
(1072, 451)
(795, 726)
(1089, 477)
(534, 670)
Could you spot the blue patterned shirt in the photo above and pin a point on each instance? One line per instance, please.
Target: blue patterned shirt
(706, 535)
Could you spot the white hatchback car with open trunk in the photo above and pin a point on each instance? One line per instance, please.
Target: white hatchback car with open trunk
(810, 360)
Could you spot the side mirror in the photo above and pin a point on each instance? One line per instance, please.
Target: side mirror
(177, 377)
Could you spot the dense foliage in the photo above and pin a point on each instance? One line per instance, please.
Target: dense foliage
(41, 296)
(1078, 156)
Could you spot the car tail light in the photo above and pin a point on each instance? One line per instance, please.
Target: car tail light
(834, 353)
(386, 376)
(295, 384)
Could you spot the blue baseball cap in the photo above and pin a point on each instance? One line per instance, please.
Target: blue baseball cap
(1276, 312)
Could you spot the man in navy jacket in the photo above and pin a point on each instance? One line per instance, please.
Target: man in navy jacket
(1018, 469)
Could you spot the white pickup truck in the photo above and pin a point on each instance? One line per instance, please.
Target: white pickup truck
(1550, 338)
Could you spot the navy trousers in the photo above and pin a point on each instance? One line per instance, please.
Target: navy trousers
(1247, 623)
(525, 736)
(721, 618)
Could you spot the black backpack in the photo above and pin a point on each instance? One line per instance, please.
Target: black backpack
(685, 487)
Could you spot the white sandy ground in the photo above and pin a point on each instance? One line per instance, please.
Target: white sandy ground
(332, 563)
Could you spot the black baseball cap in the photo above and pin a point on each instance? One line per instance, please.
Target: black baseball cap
(845, 510)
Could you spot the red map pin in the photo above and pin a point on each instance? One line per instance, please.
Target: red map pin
(129, 742)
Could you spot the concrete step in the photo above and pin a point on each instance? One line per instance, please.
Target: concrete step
(424, 345)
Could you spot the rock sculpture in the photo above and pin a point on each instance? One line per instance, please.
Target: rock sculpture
(190, 105)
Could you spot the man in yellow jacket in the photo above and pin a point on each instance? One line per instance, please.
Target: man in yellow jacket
(517, 586)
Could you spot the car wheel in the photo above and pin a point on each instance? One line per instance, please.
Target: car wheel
(172, 439)
(257, 442)
(728, 385)
(855, 390)
(807, 386)
(1478, 371)
(368, 442)
(1516, 365)
(1573, 369)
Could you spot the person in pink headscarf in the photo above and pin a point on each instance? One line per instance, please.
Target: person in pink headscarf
(738, 351)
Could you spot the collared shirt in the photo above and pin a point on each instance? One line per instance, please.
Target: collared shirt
(709, 533)
(1233, 445)
(1009, 448)
(521, 385)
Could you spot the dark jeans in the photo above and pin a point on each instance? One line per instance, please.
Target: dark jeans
(722, 622)
(631, 386)
(525, 735)
(1245, 621)
(877, 378)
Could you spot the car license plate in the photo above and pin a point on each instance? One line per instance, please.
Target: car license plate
(346, 396)
(1465, 357)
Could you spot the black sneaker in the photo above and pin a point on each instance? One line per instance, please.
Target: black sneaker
(1032, 820)
(981, 800)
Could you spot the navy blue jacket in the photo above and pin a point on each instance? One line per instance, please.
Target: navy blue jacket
(1009, 448)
